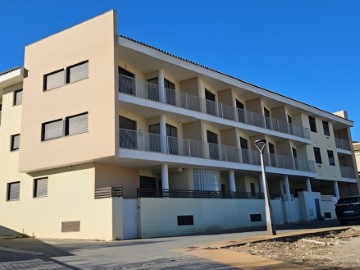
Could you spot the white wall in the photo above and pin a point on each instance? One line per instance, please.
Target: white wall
(209, 215)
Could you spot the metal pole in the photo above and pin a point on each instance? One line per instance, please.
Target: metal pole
(270, 226)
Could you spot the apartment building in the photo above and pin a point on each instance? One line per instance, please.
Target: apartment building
(105, 137)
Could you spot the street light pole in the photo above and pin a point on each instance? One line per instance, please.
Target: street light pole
(270, 226)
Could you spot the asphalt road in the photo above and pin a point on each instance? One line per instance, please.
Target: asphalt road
(141, 254)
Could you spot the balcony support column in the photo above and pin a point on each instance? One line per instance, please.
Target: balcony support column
(288, 199)
(165, 176)
(163, 138)
(161, 80)
(336, 189)
(232, 181)
(308, 185)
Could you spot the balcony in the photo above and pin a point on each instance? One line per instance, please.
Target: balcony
(108, 192)
(149, 142)
(342, 144)
(204, 194)
(145, 90)
(348, 172)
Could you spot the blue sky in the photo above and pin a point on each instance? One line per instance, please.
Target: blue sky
(305, 49)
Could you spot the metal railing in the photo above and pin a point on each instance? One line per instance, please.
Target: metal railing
(108, 192)
(149, 142)
(347, 172)
(150, 91)
(209, 194)
(342, 144)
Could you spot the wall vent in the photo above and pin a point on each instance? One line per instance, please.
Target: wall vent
(185, 220)
(255, 217)
(70, 226)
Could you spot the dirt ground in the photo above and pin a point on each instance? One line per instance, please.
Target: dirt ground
(336, 250)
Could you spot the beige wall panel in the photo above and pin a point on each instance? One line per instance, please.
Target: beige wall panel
(192, 130)
(114, 176)
(93, 40)
(67, 187)
(190, 86)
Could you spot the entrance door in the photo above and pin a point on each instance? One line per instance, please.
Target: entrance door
(289, 118)
(272, 155)
(128, 134)
(170, 92)
(294, 153)
(267, 118)
(154, 138)
(210, 102)
(172, 139)
(240, 111)
(153, 89)
(126, 81)
(212, 140)
(244, 150)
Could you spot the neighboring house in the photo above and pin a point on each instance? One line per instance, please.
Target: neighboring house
(105, 137)
(356, 147)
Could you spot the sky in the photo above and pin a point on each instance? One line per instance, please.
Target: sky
(305, 49)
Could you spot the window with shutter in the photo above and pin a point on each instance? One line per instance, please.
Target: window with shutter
(76, 124)
(40, 187)
(17, 97)
(54, 80)
(77, 72)
(15, 142)
(13, 192)
(52, 130)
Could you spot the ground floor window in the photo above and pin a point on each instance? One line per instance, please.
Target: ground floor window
(206, 180)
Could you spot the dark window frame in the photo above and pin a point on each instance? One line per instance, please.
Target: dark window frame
(14, 97)
(8, 191)
(326, 128)
(67, 126)
(36, 185)
(317, 154)
(52, 73)
(67, 73)
(331, 157)
(312, 123)
(43, 129)
(12, 149)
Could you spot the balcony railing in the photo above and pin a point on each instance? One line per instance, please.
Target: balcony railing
(348, 172)
(182, 193)
(143, 89)
(342, 144)
(149, 142)
(108, 192)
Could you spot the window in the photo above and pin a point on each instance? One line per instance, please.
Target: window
(15, 142)
(312, 123)
(206, 179)
(76, 124)
(72, 125)
(73, 73)
(252, 189)
(17, 97)
(40, 187)
(170, 92)
(210, 102)
(77, 72)
(331, 157)
(317, 155)
(52, 130)
(326, 128)
(54, 79)
(13, 191)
